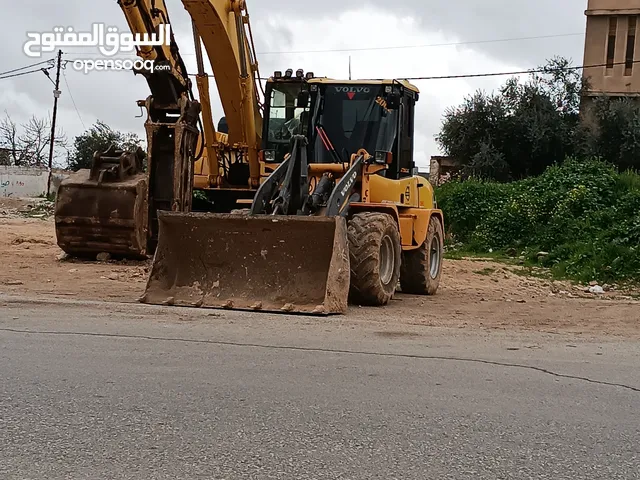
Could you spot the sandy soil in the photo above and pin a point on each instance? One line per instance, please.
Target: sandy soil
(473, 294)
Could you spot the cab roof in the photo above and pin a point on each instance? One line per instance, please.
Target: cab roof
(332, 81)
(324, 80)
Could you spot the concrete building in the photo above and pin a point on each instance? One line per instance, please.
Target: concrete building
(612, 43)
(441, 167)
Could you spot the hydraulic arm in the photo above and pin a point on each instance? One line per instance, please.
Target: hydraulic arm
(225, 31)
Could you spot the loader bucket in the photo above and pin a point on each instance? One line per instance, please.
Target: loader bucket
(94, 217)
(264, 263)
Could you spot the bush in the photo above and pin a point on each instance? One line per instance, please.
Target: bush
(583, 213)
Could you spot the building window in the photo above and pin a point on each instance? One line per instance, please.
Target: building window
(631, 45)
(611, 44)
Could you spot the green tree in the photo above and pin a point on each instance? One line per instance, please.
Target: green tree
(520, 130)
(611, 131)
(98, 139)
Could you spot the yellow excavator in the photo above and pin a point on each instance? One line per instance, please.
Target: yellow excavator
(315, 198)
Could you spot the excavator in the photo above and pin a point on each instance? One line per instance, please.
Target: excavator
(314, 198)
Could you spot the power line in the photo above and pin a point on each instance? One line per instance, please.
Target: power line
(398, 47)
(25, 73)
(520, 72)
(64, 76)
(401, 47)
(492, 74)
(50, 61)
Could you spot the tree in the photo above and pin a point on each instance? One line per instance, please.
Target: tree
(611, 131)
(27, 144)
(519, 131)
(98, 139)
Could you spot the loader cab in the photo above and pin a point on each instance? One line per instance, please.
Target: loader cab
(341, 117)
(376, 116)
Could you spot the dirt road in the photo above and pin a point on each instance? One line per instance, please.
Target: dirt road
(473, 294)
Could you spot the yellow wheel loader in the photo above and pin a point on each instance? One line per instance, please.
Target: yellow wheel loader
(340, 215)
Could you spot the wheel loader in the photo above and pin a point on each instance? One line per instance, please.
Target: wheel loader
(340, 215)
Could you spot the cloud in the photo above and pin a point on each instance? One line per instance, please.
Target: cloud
(283, 26)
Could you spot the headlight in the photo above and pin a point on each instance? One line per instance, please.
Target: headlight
(382, 158)
(269, 155)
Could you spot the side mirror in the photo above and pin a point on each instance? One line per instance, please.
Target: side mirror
(393, 101)
(303, 99)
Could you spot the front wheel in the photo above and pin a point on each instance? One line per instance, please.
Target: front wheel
(422, 268)
(375, 253)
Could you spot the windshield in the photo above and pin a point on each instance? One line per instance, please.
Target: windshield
(284, 116)
(353, 117)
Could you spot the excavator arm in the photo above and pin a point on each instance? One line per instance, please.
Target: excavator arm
(149, 16)
(224, 28)
(113, 206)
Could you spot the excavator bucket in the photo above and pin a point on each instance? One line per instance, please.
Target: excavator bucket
(104, 209)
(264, 263)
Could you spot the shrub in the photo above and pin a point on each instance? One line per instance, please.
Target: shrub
(583, 213)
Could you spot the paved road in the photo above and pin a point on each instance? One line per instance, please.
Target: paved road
(90, 391)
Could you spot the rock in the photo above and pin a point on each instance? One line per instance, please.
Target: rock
(522, 301)
(103, 257)
(597, 289)
(593, 283)
(62, 256)
(14, 283)
(542, 254)
(113, 276)
(73, 270)
(512, 252)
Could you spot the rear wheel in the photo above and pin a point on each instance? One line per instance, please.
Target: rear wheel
(422, 268)
(375, 254)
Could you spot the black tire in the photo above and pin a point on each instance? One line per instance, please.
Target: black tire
(375, 254)
(416, 275)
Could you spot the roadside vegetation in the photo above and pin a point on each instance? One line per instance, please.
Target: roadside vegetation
(544, 180)
(580, 219)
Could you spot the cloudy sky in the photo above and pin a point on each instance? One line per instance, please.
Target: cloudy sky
(403, 38)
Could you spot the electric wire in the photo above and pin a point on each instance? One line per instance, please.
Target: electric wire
(28, 66)
(64, 76)
(23, 73)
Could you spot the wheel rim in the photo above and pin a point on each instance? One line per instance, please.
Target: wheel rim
(435, 257)
(387, 260)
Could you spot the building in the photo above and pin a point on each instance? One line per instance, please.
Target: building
(441, 168)
(611, 43)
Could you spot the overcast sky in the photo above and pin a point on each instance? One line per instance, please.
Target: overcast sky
(306, 26)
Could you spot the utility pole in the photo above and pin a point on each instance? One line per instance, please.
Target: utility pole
(349, 67)
(56, 95)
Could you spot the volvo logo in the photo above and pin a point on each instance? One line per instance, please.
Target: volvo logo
(353, 89)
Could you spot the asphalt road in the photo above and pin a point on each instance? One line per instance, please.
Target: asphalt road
(91, 391)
